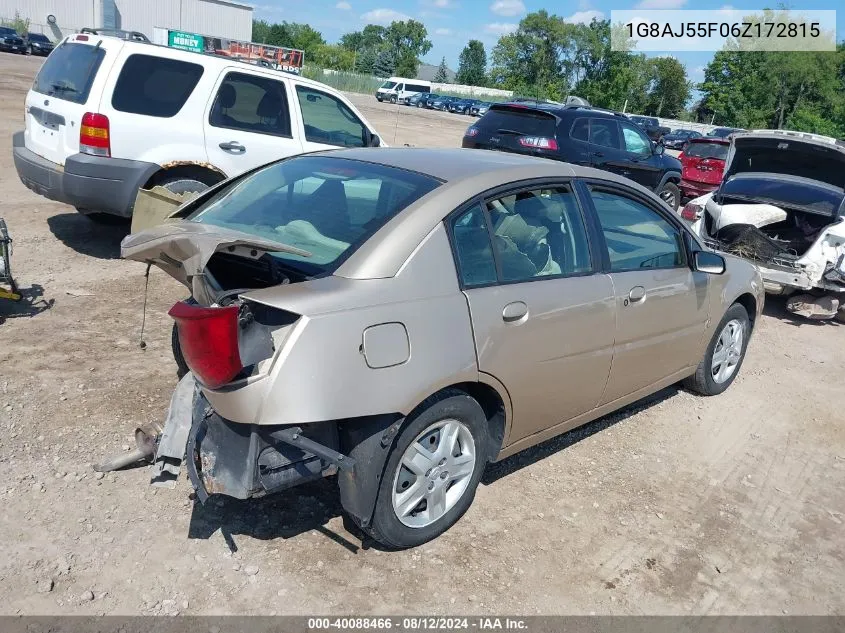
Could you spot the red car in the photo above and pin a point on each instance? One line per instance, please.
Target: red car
(702, 165)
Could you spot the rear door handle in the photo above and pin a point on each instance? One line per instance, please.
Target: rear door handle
(598, 154)
(233, 147)
(636, 295)
(514, 311)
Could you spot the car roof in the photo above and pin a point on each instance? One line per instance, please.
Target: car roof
(451, 164)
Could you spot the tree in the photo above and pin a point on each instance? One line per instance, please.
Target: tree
(333, 56)
(385, 64)
(408, 41)
(670, 89)
(365, 61)
(372, 37)
(472, 65)
(288, 35)
(442, 76)
(260, 31)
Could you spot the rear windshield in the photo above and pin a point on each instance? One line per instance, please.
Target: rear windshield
(69, 72)
(707, 150)
(519, 120)
(326, 206)
(155, 86)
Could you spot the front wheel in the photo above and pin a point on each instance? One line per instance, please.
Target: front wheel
(393, 99)
(432, 471)
(671, 195)
(724, 355)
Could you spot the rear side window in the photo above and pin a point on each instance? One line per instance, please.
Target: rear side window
(604, 132)
(69, 72)
(253, 104)
(154, 86)
(707, 150)
(519, 120)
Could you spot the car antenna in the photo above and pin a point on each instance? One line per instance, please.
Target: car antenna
(142, 343)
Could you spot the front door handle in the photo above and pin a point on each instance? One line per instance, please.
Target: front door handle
(598, 154)
(514, 311)
(636, 294)
(233, 147)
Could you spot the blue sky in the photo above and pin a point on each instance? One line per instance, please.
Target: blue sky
(451, 23)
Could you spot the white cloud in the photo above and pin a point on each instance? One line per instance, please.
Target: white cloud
(500, 28)
(384, 16)
(442, 4)
(660, 4)
(698, 71)
(442, 31)
(343, 5)
(508, 7)
(584, 17)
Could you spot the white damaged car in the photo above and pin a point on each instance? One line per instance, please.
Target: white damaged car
(781, 205)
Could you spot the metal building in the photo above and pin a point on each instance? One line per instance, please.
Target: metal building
(219, 18)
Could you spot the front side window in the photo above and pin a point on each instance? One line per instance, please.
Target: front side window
(253, 104)
(539, 233)
(604, 133)
(635, 141)
(326, 206)
(476, 265)
(154, 86)
(329, 120)
(637, 237)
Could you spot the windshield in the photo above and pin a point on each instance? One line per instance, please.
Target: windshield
(388, 85)
(69, 72)
(707, 150)
(38, 37)
(324, 205)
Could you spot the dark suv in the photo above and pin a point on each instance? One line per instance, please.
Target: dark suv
(583, 136)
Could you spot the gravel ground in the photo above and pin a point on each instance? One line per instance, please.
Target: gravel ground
(679, 505)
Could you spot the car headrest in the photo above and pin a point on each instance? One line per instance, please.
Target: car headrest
(270, 106)
(226, 97)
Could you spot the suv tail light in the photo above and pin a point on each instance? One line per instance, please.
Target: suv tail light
(209, 341)
(538, 142)
(471, 131)
(691, 212)
(94, 135)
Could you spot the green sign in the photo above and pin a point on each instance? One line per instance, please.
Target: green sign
(186, 41)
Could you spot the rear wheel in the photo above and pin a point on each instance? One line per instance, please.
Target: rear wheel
(432, 471)
(724, 355)
(671, 195)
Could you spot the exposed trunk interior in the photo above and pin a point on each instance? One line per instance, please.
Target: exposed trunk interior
(233, 272)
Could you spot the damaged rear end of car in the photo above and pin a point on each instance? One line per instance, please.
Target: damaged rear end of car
(781, 205)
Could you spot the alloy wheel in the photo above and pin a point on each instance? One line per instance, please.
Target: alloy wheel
(728, 351)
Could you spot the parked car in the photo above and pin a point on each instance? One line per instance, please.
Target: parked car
(400, 89)
(462, 106)
(441, 103)
(583, 136)
(107, 116)
(724, 132)
(418, 100)
(651, 126)
(37, 44)
(10, 41)
(702, 165)
(536, 296)
(781, 205)
(480, 109)
(678, 139)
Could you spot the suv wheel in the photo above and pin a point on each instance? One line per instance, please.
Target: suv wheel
(671, 195)
(432, 471)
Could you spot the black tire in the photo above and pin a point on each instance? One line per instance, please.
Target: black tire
(393, 99)
(180, 184)
(386, 528)
(670, 188)
(702, 380)
(105, 219)
(419, 104)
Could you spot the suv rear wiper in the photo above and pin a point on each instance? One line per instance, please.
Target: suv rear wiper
(508, 131)
(62, 88)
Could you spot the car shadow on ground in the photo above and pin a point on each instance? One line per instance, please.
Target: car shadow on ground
(31, 304)
(311, 506)
(776, 308)
(86, 237)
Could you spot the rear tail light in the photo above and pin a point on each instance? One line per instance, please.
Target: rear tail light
(538, 142)
(209, 341)
(471, 131)
(94, 135)
(691, 212)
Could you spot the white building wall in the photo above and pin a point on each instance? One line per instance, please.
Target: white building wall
(216, 18)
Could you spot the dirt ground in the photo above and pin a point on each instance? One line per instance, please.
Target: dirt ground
(681, 505)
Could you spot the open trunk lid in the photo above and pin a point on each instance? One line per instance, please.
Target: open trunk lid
(68, 85)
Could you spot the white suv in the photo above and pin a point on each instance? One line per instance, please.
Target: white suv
(106, 117)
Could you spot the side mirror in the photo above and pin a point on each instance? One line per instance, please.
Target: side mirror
(710, 263)
(659, 148)
(374, 140)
